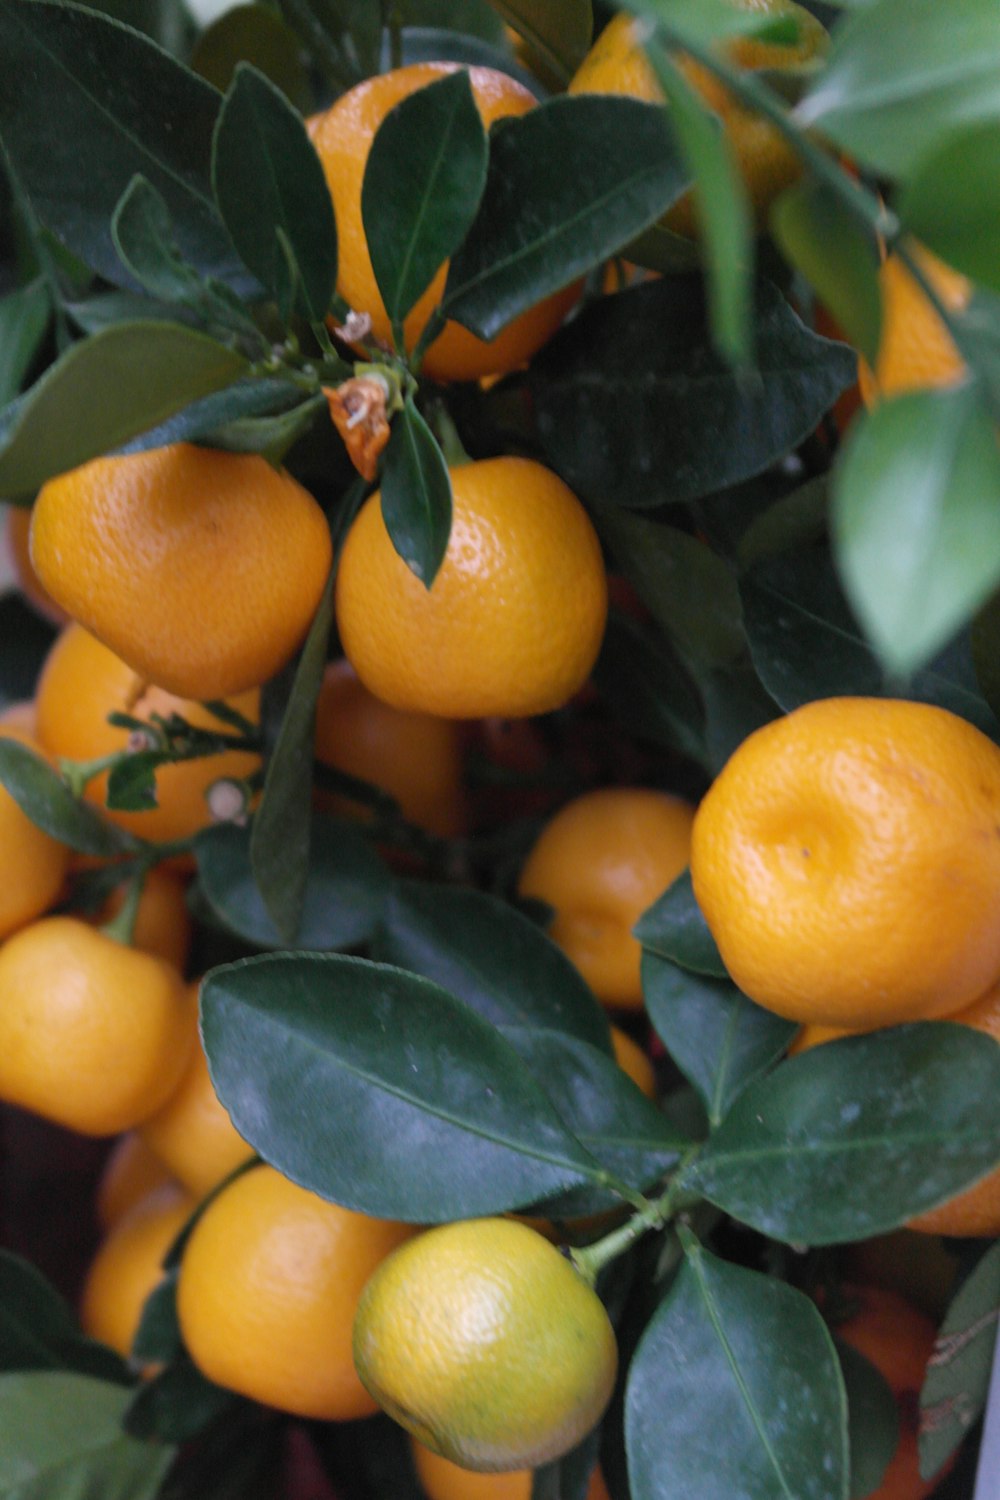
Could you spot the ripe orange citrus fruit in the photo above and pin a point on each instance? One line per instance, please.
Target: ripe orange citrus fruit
(128, 1265)
(443, 1480)
(268, 1285)
(599, 863)
(18, 530)
(342, 137)
(827, 839)
(35, 865)
(201, 569)
(484, 1342)
(617, 64)
(632, 1060)
(416, 758)
(514, 619)
(162, 921)
(82, 682)
(915, 349)
(131, 1171)
(93, 1035)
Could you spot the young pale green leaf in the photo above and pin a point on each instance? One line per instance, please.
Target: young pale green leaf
(901, 75)
(416, 494)
(77, 135)
(486, 953)
(651, 693)
(249, 33)
(424, 177)
(916, 521)
(61, 1438)
(836, 255)
(872, 1420)
(636, 410)
(718, 1038)
(346, 886)
(24, 318)
(553, 207)
(556, 33)
(857, 1136)
(958, 1376)
(711, 20)
(735, 1389)
(279, 835)
(380, 1091)
(105, 390)
(674, 928)
(41, 793)
(952, 201)
(273, 196)
(38, 1331)
(977, 334)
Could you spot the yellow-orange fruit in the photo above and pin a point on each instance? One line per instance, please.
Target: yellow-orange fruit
(129, 1265)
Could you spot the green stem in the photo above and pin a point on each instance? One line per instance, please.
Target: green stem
(432, 328)
(447, 435)
(122, 925)
(653, 1214)
(78, 774)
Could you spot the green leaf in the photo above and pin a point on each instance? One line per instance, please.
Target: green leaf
(38, 1331)
(674, 928)
(557, 33)
(916, 521)
(423, 180)
(569, 1477)
(952, 201)
(735, 705)
(977, 334)
(711, 20)
(735, 1389)
(261, 407)
(985, 642)
(273, 196)
(554, 208)
(88, 103)
(837, 256)
(177, 1404)
(279, 836)
(873, 1421)
(718, 1038)
(346, 886)
(857, 1136)
(27, 641)
(958, 1377)
(649, 691)
(486, 953)
(41, 793)
(158, 1336)
(416, 493)
(250, 33)
(105, 390)
(381, 1091)
(61, 1438)
(132, 782)
(24, 320)
(636, 410)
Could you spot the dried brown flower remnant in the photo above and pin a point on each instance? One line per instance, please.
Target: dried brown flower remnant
(358, 411)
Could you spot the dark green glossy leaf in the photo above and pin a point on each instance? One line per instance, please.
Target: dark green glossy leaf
(253, 34)
(162, 20)
(177, 1404)
(689, 426)
(346, 886)
(793, 523)
(273, 196)
(442, 44)
(381, 1091)
(985, 642)
(916, 521)
(132, 782)
(873, 1421)
(556, 33)
(158, 1336)
(736, 704)
(855, 1137)
(486, 953)
(279, 837)
(554, 208)
(222, 418)
(24, 318)
(341, 36)
(958, 1377)
(952, 203)
(41, 792)
(87, 104)
(650, 692)
(61, 1438)
(38, 1331)
(27, 641)
(423, 180)
(718, 1038)
(105, 390)
(472, 18)
(416, 494)
(674, 928)
(977, 333)
(735, 1390)
(823, 239)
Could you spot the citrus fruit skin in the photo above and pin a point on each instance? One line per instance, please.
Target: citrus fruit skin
(342, 137)
(162, 921)
(915, 350)
(35, 865)
(268, 1285)
(484, 1342)
(825, 843)
(93, 1035)
(632, 1060)
(514, 619)
(199, 568)
(17, 536)
(600, 862)
(443, 1480)
(129, 1264)
(617, 64)
(131, 1171)
(81, 683)
(416, 758)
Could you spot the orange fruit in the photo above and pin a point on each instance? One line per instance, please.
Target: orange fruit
(131, 1171)
(824, 843)
(128, 1266)
(81, 683)
(268, 1285)
(18, 529)
(599, 863)
(93, 1035)
(484, 1342)
(617, 64)
(35, 865)
(162, 920)
(915, 349)
(513, 622)
(443, 1480)
(416, 758)
(201, 569)
(342, 137)
(632, 1060)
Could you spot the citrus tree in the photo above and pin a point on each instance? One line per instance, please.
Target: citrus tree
(435, 429)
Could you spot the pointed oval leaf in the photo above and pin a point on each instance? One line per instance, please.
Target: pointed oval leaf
(872, 1418)
(41, 793)
(857, 1136)
(38, 1331)
(735, 1389)
(957, 1384)
(556, 33)
(24, 318)
(249, 33)
(416, 494)
(647, 689)
(674, 928)
(951, 201)
(381, 1091)
(177, 1403)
